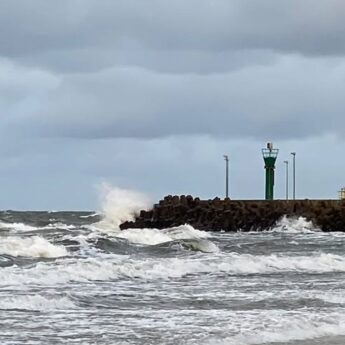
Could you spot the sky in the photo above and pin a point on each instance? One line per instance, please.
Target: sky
(149, 96)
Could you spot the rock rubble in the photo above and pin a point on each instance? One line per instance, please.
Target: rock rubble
(234, 215)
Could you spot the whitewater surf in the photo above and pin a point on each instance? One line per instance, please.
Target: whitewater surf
(76, 278)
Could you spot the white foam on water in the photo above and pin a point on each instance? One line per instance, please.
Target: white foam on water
(36, 302)
(294, 225)
(21, 227)
(144, 236)
(34, 246)
(65, 271)
(236, 264)
(239, 264)
(94, 269)
(252, 264)
(155, 236)
(17, 226)
(336, 297)
(200, 245)
(58, 225)
(90, 215)
(185, 232)
(119, 205)
(282, 327)
(191, 238)
(110, 267)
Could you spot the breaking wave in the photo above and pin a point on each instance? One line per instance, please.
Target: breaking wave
(31, 247)
(156, 236)
(287, 327)
(237, 265)
(16, 226)
(119, 205)
(186, 235)
(295, 225)
(22, 227)
(121, 266)
(36, 302)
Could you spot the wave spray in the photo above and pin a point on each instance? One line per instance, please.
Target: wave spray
(120, 205)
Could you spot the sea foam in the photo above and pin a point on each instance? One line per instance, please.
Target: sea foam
(294, 225)
(156, 236)
(35, 246)
(112, 267)
(287, 326)
(36, 302)
(119, 205)
(16, 226)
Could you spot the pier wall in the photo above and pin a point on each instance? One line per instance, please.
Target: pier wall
(234, 215)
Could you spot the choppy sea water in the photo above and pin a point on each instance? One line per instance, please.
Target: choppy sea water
(67, 278)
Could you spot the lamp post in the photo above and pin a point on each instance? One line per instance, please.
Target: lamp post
(287, 179)
(293, 175)
(226, 157)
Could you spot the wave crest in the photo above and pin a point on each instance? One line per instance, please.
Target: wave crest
(36, 302)
(294, 225)
(112, 267)
(288, 327)
(156, 236)
(119, 205)
(35, 246)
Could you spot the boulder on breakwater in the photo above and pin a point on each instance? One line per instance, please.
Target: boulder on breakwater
(234, 215)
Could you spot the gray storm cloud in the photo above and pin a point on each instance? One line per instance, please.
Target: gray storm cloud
(150, 95)
(161, 68)
(292, 98)
(40, 26)
(94, 69)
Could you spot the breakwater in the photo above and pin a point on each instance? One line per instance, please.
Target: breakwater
(234, 215)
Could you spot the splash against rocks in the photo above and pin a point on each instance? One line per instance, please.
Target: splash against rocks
(238, 215)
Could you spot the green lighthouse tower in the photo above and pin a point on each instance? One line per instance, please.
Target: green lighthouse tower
(270, 156)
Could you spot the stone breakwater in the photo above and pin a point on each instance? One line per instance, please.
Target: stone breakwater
(234, 215)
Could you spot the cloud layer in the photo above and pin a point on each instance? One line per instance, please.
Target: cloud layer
(38, 26)
(84, 80)
(161, 68)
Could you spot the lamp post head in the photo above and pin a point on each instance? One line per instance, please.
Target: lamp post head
(286, 162)
(226, 157)
(293, 153)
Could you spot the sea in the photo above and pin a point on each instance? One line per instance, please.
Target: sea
(75, 278)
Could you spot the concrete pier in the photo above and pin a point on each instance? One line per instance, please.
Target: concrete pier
(235, 215)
